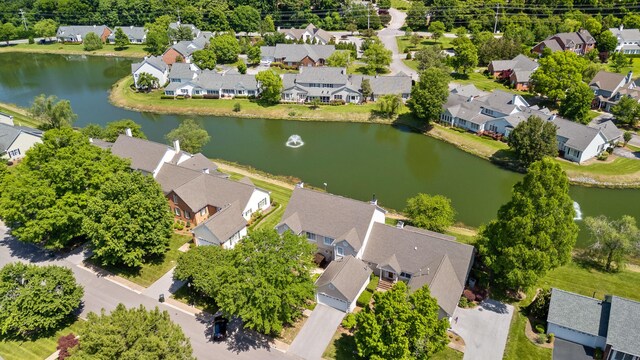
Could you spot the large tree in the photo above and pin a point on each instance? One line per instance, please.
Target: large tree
(400, 325)
(132, 334)
(607, 42)
(7, 32)
(45, 28)
(429, 94)
(36, 300)
(245, 18)
(270, 86)
(44, 199)
(340, 58)
(53, 113)
(226, 48)
(534, 232)
(436, 28)
(191, 135)
(558, 73)
(627, 111)
(121, 39)
(205, 59)
(389, 105)
(180, 33)
(157, 35)
(466, 57)
(146, 81)
(432, 57)
(498, 49)
(92, 42)
(433, 213)
(377, 58)
(577, 104)
(614, 240)
(128, 221)
(533, 139)
(417, 15)
(119, 127)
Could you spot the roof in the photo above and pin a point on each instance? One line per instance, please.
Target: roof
(212, 80)
(9, 134)
(144, 154)
(552, 44)
(383, 85)
(574, 38)
(297, 52)
(172, 176)
(468, 91)
(132, 32)
(322, 75)
(315, 31)
(186, 48)
(329, 215)
(198, 162)
(344, 278)
(155, 61)
(183, 71)
(520, 62)
(101, 143)
(578, 136)
(577, 312)
(628, 35)
(607, 81)
(194, 30)
(81, 30)
(609, 130)
(226, 222)
(624, 326)
(433, 259)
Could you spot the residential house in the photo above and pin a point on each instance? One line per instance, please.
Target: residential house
(612, 324)
(182, 50)
(579, 42)
(500, 112)
(16, 140)
(310, 34)
(153, 65)
(77, 33)
(135, 34)
(342, 282)
(628, 40)
(517, 70)
(183, 72)
(196, 192)
(296, 55)
(211, 84)
(343, 228)
(6, 119)
(329, 84)
(194, 30)
(607, 86)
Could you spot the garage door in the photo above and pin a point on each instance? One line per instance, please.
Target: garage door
(333, 302)
(573, 336)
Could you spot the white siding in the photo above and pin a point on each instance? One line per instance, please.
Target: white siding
(161, 76)
(333, 302)
(364, 286)
(255, 199)
(378, 217)
(577, 337)
(21, 144)
(168, 155)
(233, 241)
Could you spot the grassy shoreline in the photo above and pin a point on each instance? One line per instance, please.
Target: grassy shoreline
(132, 51)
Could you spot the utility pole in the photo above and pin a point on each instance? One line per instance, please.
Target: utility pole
(368, 14)
(178, 16)
(24, 21)
(495, 25)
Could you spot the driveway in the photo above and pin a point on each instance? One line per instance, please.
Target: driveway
(566, 350)
(484, 329)
(388, 38)
(317, 332)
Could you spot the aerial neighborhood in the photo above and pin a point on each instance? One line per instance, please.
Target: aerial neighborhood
(343, 179)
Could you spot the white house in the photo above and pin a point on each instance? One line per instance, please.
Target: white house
(224, 228)
(135, 34)
(342, 282)
(6, 119)
(153, 65)
(628, 39)
(16, 140)
(211, 84)
(309, 34)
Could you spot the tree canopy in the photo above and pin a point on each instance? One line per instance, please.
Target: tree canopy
(339, 59)
(558, 73)
(121, 39)
(191, 135)
(181, 33)
(45, 28)
(533, 139)
(128, 333)
(117, 128)
(577, 104)
(466, 57)
(54, 113)
(245, 18)
(400, 325)
(226, 48)
(429, 94)
(92, 42)
(157, 35)
(377, 58)
(627, 111)
(270, 86)
(36, 300)
(614, 240)
(205, 59)
(534, 232)
(433, 213)
(432, 56)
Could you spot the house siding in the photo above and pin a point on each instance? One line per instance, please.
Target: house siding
(169, 56)
(146, 68)
(20, 145)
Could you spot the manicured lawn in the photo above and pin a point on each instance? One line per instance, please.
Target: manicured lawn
(448, 354)
(186, 296)
(20, 116)
(400, 4)
(635, 67)
(404, 42)
(519, 347)
(135, 51)
(38, 349)
(481, 81)
(148, 273)
(619, 166)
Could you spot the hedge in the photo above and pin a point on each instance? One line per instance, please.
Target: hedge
(364, 299)
(373, 284)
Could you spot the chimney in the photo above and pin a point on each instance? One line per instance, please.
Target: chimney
(91, 140)
(205, 170)
(127, 132)
(621, 27)
(374, 201)
(300, 185)
(176, 145)
(627, 79)
(400, 224)
(470, 99)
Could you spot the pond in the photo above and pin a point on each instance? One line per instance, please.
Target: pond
(354, 159)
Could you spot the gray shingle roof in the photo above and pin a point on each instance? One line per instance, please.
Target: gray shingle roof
(132, 32)
(628, 35)
(211, 80)
(322, 75)
(344, 278)
(102, 144)
(579, 136)
(226, 222)
(183, 71)
(186, 48)
(8, 134)
(609, 130)
(194, 30)
(80, 30)
(468, 91)
(297, 33)
(155, 61)
(607, 81)
(297, 52)
(328, 215)
(520, 62)
(144, 154)
(624, 326)
(198, 162)
(443, 285)
(581, 313)
(383, 85)
(172, 176)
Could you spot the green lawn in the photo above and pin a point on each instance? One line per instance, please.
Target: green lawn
(400, 4)
(404, 42)
(38, 349)
(635, 67)
(280, 195)
(148, 273)
(619, 166)
(448, 354)
(134, 51)
(519, 347)
(186, 296)
(19, 115)
(482, 81)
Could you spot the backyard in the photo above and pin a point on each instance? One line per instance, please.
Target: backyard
(38, 349)
(132, 51)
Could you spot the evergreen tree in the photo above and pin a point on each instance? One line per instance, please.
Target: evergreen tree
(121, 39)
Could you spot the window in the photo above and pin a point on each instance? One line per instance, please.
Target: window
(328, 240)
(262, 203)
(169, 93)
(405, 275)
(337, 97)
(14, 153)
(203, 211)
(212, 92)
(311, 236)
(339, 251)
(187, 215)
(247, 213)
(177, 211)
(175, 198)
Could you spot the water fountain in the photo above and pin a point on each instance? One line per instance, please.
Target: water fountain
(294, 141)
(576, 207)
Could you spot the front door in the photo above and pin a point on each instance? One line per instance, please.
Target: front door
(390, 275)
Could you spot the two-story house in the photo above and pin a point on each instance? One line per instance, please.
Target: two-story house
(309, 34)
(153, 65)
(579, 42)
(296, 55)
(518, 70)
(606, 87)
(628, 40)
(344, 228)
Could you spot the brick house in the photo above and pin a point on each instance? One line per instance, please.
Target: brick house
(579, 42)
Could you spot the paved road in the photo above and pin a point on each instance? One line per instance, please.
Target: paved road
(102, 293)
(388, 37)
(165, 285)
(484, 329)
(317, 332)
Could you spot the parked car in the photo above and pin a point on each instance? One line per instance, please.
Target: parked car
(220, 328)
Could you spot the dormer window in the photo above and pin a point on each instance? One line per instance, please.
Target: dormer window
(328, 240)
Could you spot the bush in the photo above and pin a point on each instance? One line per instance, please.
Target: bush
(31, 41)
(237, 107)
(64, 344)
(373, 283)
(539, 308)
(188, 224)
(211, 96)
(464, 303)
(349, 321)
(178, 225)
(597, 354)
(610, 149)
(408, 57)
(540, 329)
(469, 295)
(337, 102)
(551, 337)
(197, 97)
(541, 339)
(364, 299)
(603, 156)
(166, 97)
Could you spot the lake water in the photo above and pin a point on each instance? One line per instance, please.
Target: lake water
(354, 159)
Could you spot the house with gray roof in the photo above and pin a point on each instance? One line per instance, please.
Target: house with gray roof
(579, 42)
(628, 39)
(310, 34)
(211, 84)
(224, 228)
(153, 65)
(194, 30)
(342, 227)
(607, 88)
(76, 33)
(342, 282)
(296, 55)
(612, 324)
(16, 140)
(518, 70)
(183, 72)
(135, 34)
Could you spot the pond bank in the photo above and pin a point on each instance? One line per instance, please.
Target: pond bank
(132, 51)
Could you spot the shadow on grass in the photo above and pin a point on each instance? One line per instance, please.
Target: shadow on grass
(123, 270)
(459, 76)
(194, 298)
(42, 334)
(345, 347)
(505, 158)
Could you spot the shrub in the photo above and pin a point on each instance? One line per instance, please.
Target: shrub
(337, 102)
(31, 41)
(464, 303)
(603, 156)
(178, 225)
(188, 224)
(469, 295)
(539, 308)
(373, 283)
(197, 97)
(237, 107)
(211, 96)
(292, 113)
(364, 299)
(551, 337)
(166, 97)
(349, 321)
(64, 344)
(597, 354)
(610, 149)
(541, 339)
(408, 56)
(540, 329)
